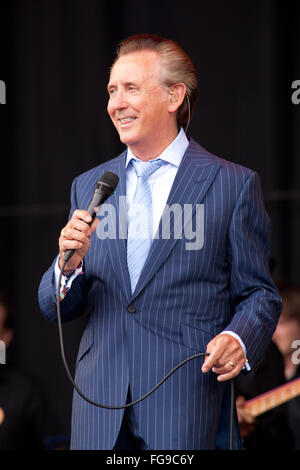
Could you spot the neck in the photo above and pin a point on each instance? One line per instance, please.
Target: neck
(152, 149)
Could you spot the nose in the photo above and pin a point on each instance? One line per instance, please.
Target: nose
(117, 101)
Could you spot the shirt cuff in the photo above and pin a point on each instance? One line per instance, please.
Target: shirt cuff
(66, 279)
(231, 333)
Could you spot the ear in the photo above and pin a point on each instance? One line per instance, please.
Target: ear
(176, 96)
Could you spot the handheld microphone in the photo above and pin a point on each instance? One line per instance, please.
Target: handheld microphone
(105, 186)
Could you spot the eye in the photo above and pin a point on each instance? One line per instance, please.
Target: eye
(132, 88)
(111, 91)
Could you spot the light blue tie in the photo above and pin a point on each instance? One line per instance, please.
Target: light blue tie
(140, 219)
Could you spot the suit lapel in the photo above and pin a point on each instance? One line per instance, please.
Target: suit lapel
(195, 175)
(118, 246)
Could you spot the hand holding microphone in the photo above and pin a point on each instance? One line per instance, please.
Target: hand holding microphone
(74, 240)
(76, 236)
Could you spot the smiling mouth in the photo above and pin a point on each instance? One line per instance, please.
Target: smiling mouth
(126, 120)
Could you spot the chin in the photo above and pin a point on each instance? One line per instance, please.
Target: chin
(127, 139)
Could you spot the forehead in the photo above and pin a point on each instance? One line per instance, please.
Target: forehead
(136, 66)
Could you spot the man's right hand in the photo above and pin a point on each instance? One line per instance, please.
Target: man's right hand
(76, 236)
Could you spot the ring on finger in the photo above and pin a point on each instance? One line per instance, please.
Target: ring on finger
(231, 363)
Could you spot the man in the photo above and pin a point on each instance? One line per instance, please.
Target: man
(287, 338)
(287, 334)
(154, 303)
(22, 407)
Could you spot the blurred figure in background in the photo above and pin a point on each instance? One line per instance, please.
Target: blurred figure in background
(270, 429)
(287, 338)
(280, 426)
(21, 406)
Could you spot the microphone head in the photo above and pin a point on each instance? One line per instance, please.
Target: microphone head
(109, 179)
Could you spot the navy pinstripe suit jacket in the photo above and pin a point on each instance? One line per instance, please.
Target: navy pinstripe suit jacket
(182, 300)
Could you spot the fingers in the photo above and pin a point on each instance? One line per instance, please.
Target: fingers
(82, 215)
(80, 220)
(221, 353)
(78, 227)
(78, 242)
(229, 366)
(226, 357)
(76, 236)
(229, 372)
(74, 232)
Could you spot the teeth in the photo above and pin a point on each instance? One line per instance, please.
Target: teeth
(123, 120)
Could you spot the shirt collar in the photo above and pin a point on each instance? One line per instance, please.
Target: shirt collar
(172, 154)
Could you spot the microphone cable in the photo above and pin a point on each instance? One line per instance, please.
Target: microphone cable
(127, 405)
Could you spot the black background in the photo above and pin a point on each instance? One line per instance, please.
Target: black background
(55, 58)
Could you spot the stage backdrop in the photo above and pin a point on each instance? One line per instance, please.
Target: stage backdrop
(55, 59)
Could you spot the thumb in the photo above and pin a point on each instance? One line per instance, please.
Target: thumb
(94, 225)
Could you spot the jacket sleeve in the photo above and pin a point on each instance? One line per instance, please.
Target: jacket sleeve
(73, 305)
(256, 304)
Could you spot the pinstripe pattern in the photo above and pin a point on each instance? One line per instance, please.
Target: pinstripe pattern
(183, 299)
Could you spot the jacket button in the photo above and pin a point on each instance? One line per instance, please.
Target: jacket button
(54, 306)
(131, 308)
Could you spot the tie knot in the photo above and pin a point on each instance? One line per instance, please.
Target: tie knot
(145, 169)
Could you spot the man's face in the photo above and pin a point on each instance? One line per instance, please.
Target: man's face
(138, 103)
